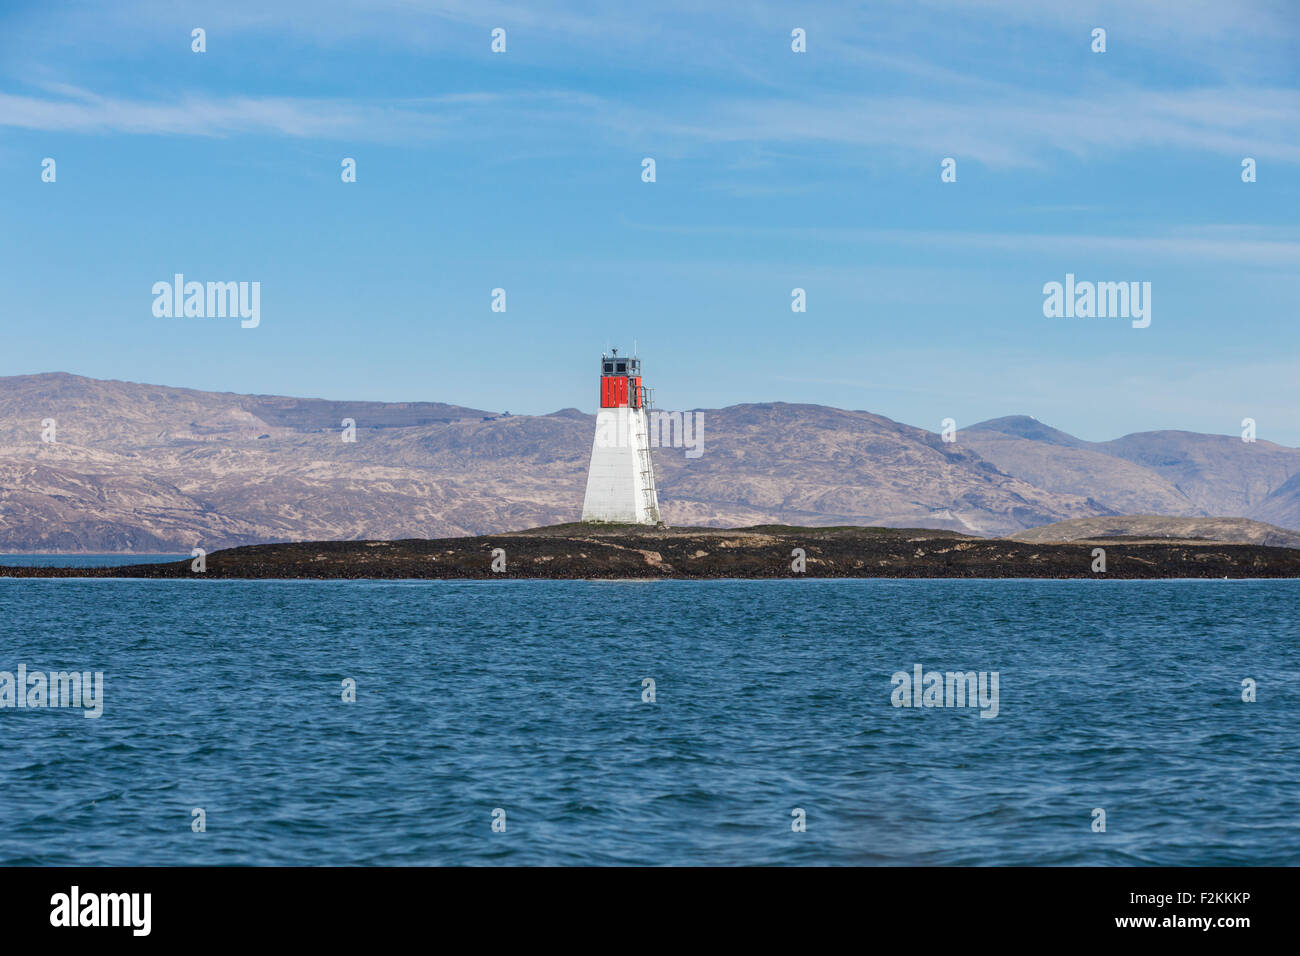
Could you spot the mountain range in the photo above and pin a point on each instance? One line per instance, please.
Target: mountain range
(154, 468)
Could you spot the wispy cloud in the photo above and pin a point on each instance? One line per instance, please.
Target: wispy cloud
(1218, 243)
(81, 111)
(1003, 130)
(1018, 129)
(959, 90)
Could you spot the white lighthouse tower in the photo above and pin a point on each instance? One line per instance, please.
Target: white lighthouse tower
(621, 481)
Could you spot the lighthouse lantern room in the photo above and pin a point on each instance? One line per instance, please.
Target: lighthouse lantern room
(621, 479)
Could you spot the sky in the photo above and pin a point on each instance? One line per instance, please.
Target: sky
(774, 170)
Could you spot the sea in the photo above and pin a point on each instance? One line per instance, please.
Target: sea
(654, 723)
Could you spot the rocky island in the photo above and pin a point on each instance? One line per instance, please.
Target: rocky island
(577, 551)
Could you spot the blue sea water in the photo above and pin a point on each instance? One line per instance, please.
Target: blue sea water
(30, 560)
(770, 695)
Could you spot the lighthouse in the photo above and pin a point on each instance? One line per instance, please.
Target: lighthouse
(621, 480)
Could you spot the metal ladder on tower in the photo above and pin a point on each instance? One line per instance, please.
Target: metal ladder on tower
(649, 494)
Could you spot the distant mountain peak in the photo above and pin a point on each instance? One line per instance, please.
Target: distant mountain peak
(1024, 426)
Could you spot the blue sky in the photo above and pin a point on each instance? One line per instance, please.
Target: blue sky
(775, 170)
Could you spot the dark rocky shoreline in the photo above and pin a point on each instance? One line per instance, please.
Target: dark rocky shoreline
(577, 551)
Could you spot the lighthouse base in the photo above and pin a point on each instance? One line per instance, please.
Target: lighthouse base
(620, 482)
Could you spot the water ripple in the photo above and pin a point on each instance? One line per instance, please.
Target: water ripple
(770, 696)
